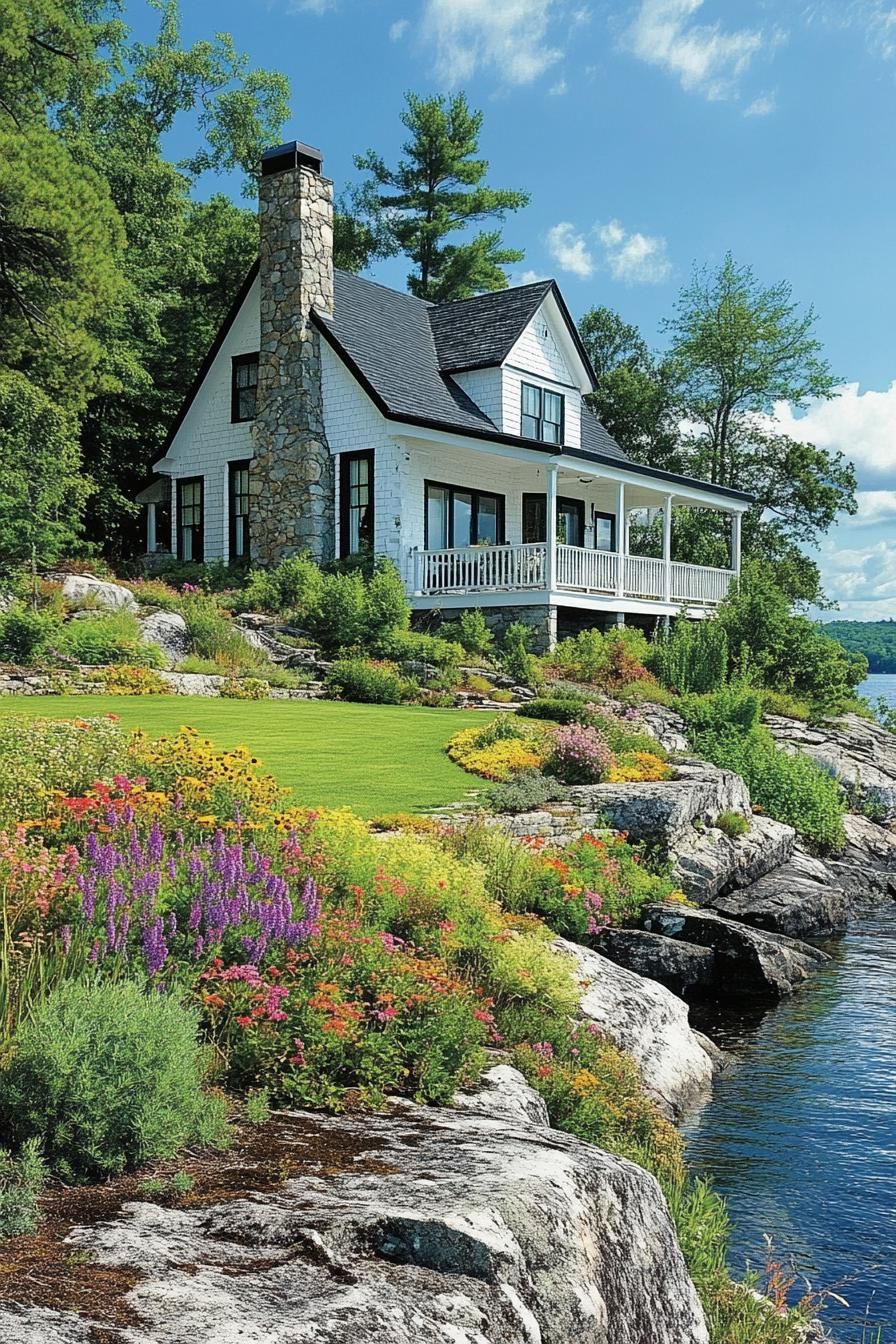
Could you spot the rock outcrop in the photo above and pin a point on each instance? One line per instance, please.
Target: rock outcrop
(661, 813)
(800, 899)
(708, 862)
(168, 630)
(83, 590)
(747, 962)
(649, 1023)
(421, 1227)
(859, 753)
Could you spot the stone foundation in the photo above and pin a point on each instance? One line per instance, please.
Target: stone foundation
(541, 620)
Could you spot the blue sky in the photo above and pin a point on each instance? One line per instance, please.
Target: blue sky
(652, 134)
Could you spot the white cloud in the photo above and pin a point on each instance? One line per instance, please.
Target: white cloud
(634, 258)
(875, 506)
(508, 36)
(529, 278)
(570, 250)
(703, 56)
(763, 106)
(398, 29)
(862, 425)
(557, 90)
(875, 18)
(311, 6)
(861, 576)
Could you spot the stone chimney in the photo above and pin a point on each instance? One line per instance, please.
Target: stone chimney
(292, 481)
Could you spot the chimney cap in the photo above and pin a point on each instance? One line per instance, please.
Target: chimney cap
(294, 154)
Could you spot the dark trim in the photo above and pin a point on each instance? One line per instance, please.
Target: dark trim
(241, 362)
(209, 360)
(345, 459)
(579, 506)
(542, 391)
(611, 519)
(495, 435)
(475, 494)
(181, 482)
(243, 464)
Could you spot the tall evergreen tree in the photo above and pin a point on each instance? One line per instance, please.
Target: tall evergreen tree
(437, 191)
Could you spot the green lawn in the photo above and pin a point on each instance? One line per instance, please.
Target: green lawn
(371, 758)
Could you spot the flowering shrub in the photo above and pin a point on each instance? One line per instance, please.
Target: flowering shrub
(34, 885)
(636, 766)
(500, 749)
(609, 661)
(210, 784)
(245, 688)
(359, 1015)
(125, 679)
(579, 755)
(41, 756)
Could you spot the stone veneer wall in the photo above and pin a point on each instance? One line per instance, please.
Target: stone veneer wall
(292, 480)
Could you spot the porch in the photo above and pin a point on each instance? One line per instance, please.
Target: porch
(574, 571)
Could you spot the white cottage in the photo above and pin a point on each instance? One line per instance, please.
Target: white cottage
(333, 414)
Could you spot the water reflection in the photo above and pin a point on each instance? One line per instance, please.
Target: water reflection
(800, 1133)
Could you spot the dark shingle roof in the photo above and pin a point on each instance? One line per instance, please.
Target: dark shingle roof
(386, 337)
(481, 332)
(595, 439)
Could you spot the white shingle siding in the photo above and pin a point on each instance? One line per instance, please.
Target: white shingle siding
(206, 440)
(485, 387)
(536, 359)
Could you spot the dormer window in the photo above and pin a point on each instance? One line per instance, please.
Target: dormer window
(542, 416)
(243, 388)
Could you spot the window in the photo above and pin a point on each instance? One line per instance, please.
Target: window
(542, 416)
(189, 519)
(570, 520)
(605, 532)
(356, 503)
(244, 387)
(238, 493)
(459, 517)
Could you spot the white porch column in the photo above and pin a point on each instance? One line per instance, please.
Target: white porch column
(551, 525)
(621, 538)
(151, 536)
(736, 520)
(667, 549)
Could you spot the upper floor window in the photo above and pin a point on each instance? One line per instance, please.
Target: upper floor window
(243, 387)
(542, 416)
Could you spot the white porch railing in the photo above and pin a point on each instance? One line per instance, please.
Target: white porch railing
(511, 568)
(475, 569)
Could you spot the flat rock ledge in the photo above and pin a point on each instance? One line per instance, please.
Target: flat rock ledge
(421, 1227)
(650, 1023)
(800, 899)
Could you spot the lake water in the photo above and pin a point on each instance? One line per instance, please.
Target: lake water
(800, 1133)
(880, 684)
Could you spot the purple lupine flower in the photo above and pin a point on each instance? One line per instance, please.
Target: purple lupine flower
(155, 949)
(155, 846)
(65, 934)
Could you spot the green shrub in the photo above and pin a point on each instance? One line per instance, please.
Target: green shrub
(608, 660)
(155, 593)
(25, 633)
(211, 576)
(340, 619)
(107, 1077)
(645, 693)
(471, 632)
(214, 637)
(387, 606)
(22, 1178)
(258, 1106)
(368, 682)
(787, 705)
(526, 792)
(693, 656)
(516, 659)
(558, 709)
(292, 588)
(724, 728)
(402, 646)
(103, 639)
(732, 824)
